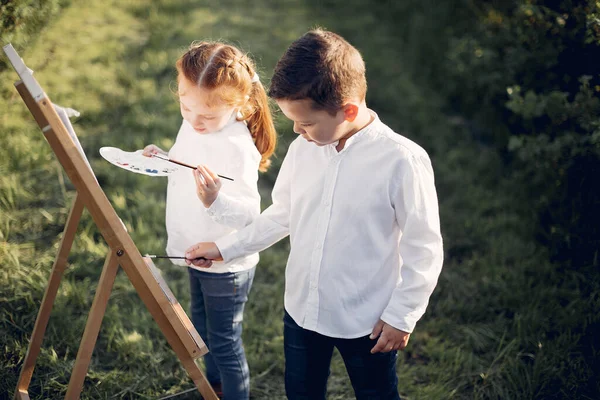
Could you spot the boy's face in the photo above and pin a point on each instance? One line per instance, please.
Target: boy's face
(203, 117)
(317, 126)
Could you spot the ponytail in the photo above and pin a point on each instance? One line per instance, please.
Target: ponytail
(260, 124)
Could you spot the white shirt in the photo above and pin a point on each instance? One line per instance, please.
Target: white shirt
(364, 231)
(230, 152)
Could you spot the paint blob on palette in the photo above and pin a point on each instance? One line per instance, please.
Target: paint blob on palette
(135, 161)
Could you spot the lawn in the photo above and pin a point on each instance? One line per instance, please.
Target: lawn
(503, 322)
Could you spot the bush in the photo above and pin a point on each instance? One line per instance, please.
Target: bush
(560, 159)
(525, 77)
(20, 20)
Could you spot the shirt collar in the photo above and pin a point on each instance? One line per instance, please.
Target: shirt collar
(360, 135)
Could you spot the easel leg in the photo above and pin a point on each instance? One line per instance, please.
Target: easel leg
(43, 316)
(92, 327)
(188, 363)
(188, 359)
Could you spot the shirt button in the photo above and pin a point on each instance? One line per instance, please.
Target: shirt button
(319, 246)
(326, 203)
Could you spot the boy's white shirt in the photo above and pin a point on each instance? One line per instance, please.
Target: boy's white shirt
(364, 230)
(230, 152)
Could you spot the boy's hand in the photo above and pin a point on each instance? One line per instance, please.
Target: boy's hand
(208, 185)
(390, 338)
(153, 149)
(208, 250)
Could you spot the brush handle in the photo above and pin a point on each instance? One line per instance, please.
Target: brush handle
(184, 164)
(180, 258)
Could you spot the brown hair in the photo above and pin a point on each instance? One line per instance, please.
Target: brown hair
(215, 65)
(320, 66)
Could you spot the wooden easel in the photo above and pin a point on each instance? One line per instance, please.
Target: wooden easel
(154, 292)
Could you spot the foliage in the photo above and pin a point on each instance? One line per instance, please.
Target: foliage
(533, 65)
(504, 321)
(21, 20)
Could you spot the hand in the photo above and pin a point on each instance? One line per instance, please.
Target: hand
(207, 250)
(208, 185)
(390, 338)
(153, 149)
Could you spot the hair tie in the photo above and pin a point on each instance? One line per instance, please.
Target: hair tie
(255, 78)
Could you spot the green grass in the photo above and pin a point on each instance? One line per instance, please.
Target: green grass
(502, 323)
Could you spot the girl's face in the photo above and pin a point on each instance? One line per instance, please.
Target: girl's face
(203, 117)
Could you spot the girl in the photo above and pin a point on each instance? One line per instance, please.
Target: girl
(227, 125)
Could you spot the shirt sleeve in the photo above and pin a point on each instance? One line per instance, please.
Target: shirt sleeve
(270, 226)
(421, 248)
(238, 202)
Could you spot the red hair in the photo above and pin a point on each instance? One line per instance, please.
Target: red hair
(229, 74)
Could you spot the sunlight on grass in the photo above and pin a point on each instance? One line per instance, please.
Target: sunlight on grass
(490, 330)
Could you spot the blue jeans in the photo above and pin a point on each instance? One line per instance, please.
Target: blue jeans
(217, 313)
(308, 357)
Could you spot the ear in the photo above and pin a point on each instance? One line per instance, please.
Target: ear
(350, 111)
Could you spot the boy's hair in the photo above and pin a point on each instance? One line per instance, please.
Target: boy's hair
(229, 74)
(323, 67)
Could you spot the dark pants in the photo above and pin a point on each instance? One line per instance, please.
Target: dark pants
(308, 357)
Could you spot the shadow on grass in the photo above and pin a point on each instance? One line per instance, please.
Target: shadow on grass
(500, 323)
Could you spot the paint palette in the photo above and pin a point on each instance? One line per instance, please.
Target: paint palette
(136, 162)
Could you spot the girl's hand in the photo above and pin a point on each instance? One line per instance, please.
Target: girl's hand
(153, 149)
(208, 185)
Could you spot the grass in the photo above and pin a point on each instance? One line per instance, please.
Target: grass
(502, 323)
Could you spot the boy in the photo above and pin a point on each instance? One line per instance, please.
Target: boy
(360, 206)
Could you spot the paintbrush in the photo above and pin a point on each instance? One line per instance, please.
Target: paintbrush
(179, 258)
(165, 158)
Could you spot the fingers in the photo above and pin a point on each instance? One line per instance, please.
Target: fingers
(377, 329)
(214, 176)
(201, 262)
(209, 179)
(380, 346)
(198, 179)
(203, 250)
(208, 185)
(377, 332)
(151, 149)
(390, 338)
(404, 343)
(384, 345)
(194, 252)
(192, 257)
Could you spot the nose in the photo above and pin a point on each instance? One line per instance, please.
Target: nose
(298, 129)
(196, 121)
